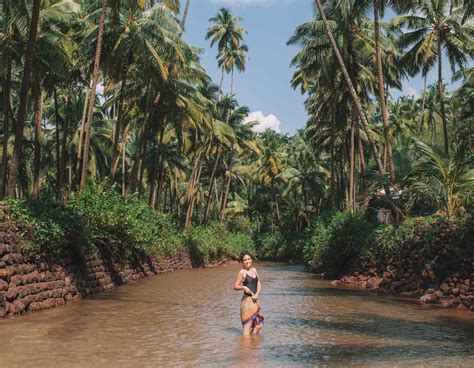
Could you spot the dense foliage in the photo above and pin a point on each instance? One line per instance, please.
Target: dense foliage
(345, 242)
(110, 93)
(121, 225)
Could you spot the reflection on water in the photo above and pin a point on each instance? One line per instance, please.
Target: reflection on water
(191, 318)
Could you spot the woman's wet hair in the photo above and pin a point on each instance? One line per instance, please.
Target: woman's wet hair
(243, 254)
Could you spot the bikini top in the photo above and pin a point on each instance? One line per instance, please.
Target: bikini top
(251, 282)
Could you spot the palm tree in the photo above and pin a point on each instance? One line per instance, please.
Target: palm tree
(25, 86)
(226, 33)
(95, 77)
(446, 179)
(350, 85)
(430, 29)
(234, 56)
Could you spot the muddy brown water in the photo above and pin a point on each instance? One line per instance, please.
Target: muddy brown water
(191, 318)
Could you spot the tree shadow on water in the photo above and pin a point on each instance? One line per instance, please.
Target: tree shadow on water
(393, 328)
(359, 354)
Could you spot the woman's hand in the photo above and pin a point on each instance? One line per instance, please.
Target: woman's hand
(255, 297)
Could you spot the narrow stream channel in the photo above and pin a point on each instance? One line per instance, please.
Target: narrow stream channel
(191, 318)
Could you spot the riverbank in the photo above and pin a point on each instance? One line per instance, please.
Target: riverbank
(435, 266)
(39, 271)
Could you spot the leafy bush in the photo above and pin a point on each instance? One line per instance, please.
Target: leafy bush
(123, 223)
(335, 243)
(48, 226)
(215, 241)
(271, 246)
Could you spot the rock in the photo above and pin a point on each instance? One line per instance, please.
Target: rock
(455, 291)
(3, 273)
(374, 282)
(336, 282)
(428, 298)
(11, 294)
(445, 288)
(438, 293)
(19, 306)
(35, 307)
(3, 285)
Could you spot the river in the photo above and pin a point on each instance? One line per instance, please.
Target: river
(191, 318)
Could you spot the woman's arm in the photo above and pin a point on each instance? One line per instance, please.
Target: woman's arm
(259, 285)
(238, 284)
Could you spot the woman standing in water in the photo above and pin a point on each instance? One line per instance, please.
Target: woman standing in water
(248, 281)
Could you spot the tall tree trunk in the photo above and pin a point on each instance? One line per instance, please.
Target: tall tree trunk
(64, 153)
(95, 77)
(352, 163)
(333, 181)
(185, 14)
(226, 194)
(219, 92)
(157, 164)
(383, 104)
(420, 123)
(194, 180)
(231, 82)
(81, 134)
(6, 125)
(137, 169)
(118, 127)
(441, 97)
(57, 119)
(25, 86)
(360, 151)
(354, 95)
(211, 184)
(37, 151)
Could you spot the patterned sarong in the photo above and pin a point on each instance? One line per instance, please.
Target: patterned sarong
(250, 311)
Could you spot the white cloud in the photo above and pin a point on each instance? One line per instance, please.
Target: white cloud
(408, 90)
(264, 122)
(249, 3)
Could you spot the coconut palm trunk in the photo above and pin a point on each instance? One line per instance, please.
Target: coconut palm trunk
(81, 132)
(64, 153)
(25, 86)
(95, 77)
(383, 104)
(441, 96)
(352, 164)
(118, 127)
(6, 125)
(352, 91)
(57, 119)
(212, 183)
(37, 150)
(185, 14)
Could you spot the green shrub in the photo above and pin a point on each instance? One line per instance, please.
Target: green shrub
(215, 241)
(271, 246)
(335, 243)
(123, 223)
(48, 226)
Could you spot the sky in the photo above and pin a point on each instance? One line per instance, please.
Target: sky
(265, 85)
